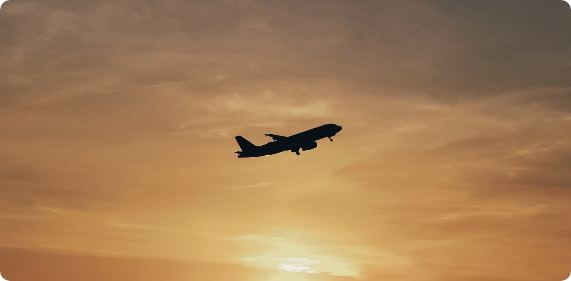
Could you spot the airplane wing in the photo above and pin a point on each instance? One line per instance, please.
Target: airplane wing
(276, 137)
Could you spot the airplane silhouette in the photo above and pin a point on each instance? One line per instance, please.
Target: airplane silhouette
(305, 140)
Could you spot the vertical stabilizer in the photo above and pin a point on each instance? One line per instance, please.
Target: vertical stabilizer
(244, 144)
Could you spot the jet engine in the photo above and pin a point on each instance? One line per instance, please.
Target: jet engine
(309, 146)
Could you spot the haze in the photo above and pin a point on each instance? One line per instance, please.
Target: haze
(117, 123)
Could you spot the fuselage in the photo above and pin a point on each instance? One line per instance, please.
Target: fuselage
(305, 140)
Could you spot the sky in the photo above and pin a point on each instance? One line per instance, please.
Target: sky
(117, 124)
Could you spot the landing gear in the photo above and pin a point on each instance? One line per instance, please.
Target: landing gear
(330, 139)
(295, 151)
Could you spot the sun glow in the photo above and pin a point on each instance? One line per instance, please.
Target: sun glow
(291, 256)
(305, 265)
(297, 265)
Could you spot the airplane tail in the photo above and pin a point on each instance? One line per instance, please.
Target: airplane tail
(244, 144)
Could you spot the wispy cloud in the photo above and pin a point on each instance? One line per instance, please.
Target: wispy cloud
(249, 186)
(494, 211)
(269, 104)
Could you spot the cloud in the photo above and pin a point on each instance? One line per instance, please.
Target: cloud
(269, 104)
(250, 186)
(504, 212)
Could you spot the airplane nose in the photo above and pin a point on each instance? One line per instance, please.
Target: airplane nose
(339, 128)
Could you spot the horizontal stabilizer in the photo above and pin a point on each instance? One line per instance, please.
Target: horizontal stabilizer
(276, 137)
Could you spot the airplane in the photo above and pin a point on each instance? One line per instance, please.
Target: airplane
(305, 140)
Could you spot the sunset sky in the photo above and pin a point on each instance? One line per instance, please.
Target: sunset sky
(118, 117)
